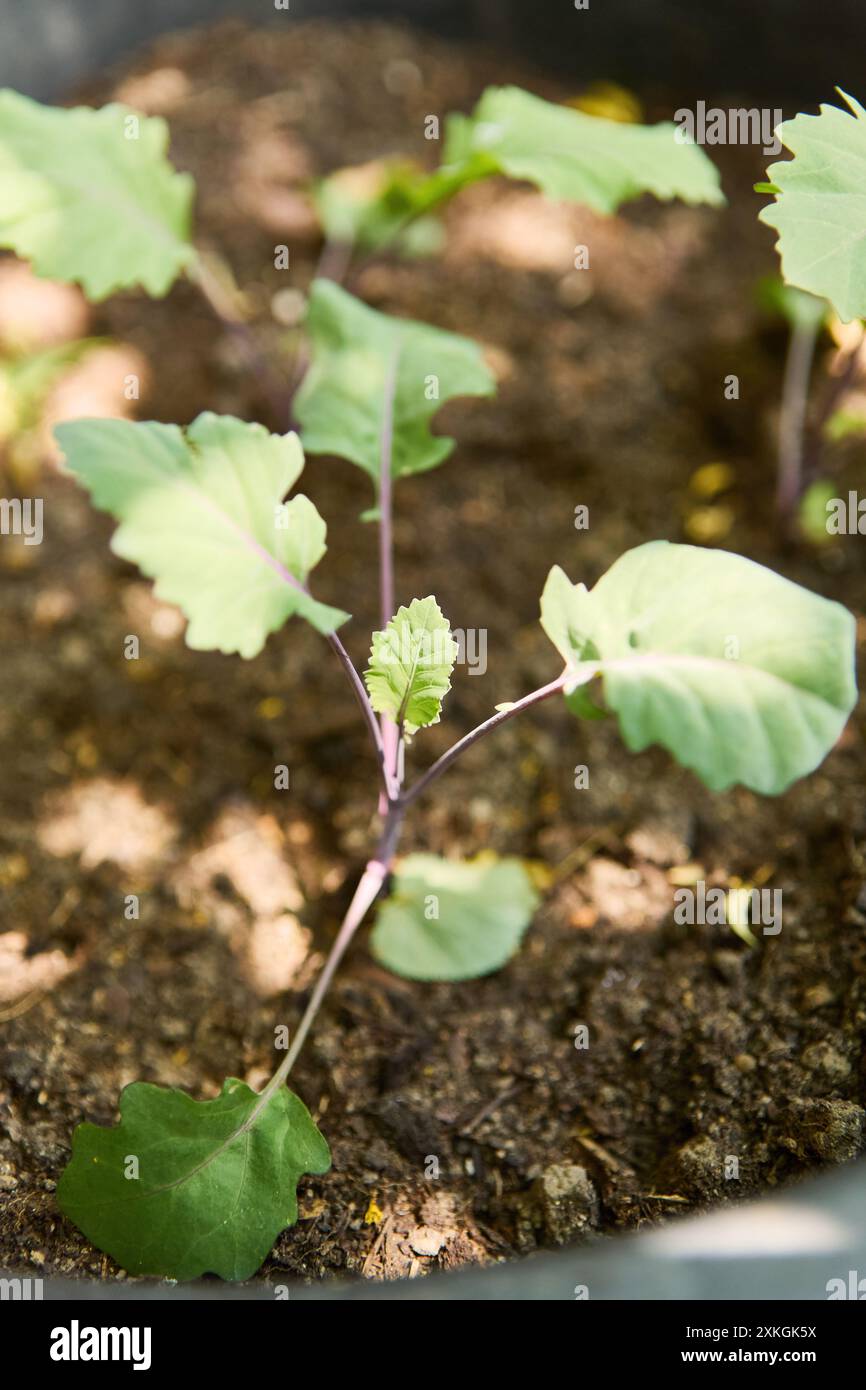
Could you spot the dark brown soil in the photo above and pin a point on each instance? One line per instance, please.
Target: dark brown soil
(155, 777)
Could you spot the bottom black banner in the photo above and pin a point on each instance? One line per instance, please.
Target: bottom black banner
(193, 1336)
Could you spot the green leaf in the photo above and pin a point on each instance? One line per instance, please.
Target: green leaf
(376, 205)
(89, 196)
(410, 665)
(27, 381)
(342, 403)
(200, 513)
(182, 1188)
(740, 674)
(453, 919)
(568, 154)
(820, 207)
(580, 158)
(812, 511)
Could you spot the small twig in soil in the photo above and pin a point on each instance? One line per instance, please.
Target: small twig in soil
(23, 1005)
(492, 1106)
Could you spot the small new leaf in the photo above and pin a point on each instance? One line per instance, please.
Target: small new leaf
(740, 674)
(89, 196)
(820, 206)
(342, 403)
(583, 159)
(453, 919)
(182, 1188)
(385, 203)
(410, 665)
(201, 512)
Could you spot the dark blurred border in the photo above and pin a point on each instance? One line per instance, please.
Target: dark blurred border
(788, 51)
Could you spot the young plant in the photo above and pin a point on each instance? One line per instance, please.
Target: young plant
(26, 382)
(743, 677)
(818, 213)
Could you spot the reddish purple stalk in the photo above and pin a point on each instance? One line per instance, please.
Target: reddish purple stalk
(390, 732)
(378, 868)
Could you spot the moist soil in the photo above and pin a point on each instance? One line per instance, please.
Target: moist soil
(467, 1123)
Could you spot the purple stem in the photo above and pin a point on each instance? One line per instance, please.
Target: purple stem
(390, 787)
(334, 261)
(390, 732)
(534, 698)
(366, 893)
(376, 871)
(843, 379)
(795, 395)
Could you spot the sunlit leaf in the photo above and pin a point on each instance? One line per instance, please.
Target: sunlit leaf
(386, 203)
(820, 206)
(355, 350)
(201, 512)
(89, 196)
(411, 662)
(740, 674)
(453, 919)
(580, 158)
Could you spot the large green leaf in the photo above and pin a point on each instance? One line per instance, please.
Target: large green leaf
(453, 919)
(740, 674)
(200, 513)
(182, 1188)
(89, 196)
(411, 662)
(345, 395)
(820, 206)
(580, 158)
(568, 154)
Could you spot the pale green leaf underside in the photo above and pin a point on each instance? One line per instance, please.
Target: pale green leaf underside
(200, 514)
(580, 158)
(742, 675)
(411, 662)
(453, 919)
(216, 1179)
(820, 208)
(342, 402)
(83, 202)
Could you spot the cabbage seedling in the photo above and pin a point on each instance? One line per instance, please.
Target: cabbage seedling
(818, 214)
(742, 676)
